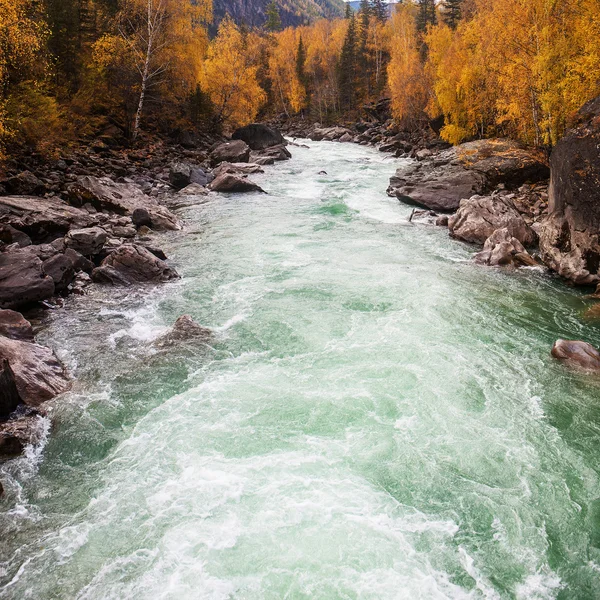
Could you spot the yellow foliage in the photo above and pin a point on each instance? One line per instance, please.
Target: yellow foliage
(229, 77)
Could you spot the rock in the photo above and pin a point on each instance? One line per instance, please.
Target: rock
(570, 235)
(183, 174)
(277, 153)
(10, 235)
(43, 219)
(15, 326)
(425, 217)
(18, 433)
(141, 218)
(346, 138)
(79, 262)
(577, 354)
(232, 183)
(259, 136)
(121, 198)
(236, 151)
(25, 184)
(442, 221)
(9, 395)
(501, 248)
(87, 242)
(39, 375)
(185, 329)
(237, 169)
(61, 269)
(479, 216)
(22, 280)
(194, 189)
(263, 160)
(328, 134)
(440, 182)
(80, 283)
(132, 263)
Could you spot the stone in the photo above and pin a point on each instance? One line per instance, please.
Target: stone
(61, 269)
(38, 374)
(25, 184)
(501, 249)
(132, 263)
(10, 235)
(570, 235)
(15, 326)
(79, 262)
(277, 153)
(235, 151)
(478, 217)
(22, 280)
(233, 183)
(87, 242)
(441, 181)
(328, 134)
(259, 136)
(185, 329)
(122, 198)
(9, 395)
(577, 354)
(183, 174)
(237, 169)
(18, 433)
(141, 218)
(194, 189)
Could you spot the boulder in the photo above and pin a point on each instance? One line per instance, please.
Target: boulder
(43, 219)
(259, 136)
(132, 263)
(87, 242)
(18, 433)
(10, 235)
(25, 184)
(441, 181)
(183, 174)
(79, 262)
(61, 269)
(570, 235)
(22, 280)
(227, 182)
(122, 198)
(9, 395)
(501, 248)
(328, 134)
(141, 218)
(15, 326)
(38, 374)
(194, 189)
(478, 217)
(237, 169)
(580, 355)
(277, 153)
(185, 329)
(235, 151)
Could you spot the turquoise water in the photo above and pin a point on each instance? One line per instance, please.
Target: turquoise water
(376, 417)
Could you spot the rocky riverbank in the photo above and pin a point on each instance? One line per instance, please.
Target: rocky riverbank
(94, 218)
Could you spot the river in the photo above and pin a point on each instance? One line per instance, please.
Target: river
(376, 418)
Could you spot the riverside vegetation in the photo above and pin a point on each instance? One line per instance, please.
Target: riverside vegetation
(115, 114)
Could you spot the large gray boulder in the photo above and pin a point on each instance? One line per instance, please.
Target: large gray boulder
(183, 174)
(60, 268)
(227, 182)
(574, 353)
(15, 326)
(130, 264)
(502, 249)
(122, 198)
(440, 182)
(38, 374)
(22, 280)
(259, 136)
(480, 216)
(87, 242)
(235, 151)
(570, 235)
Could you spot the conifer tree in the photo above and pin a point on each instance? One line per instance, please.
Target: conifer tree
(379, 10)
(273, 18)
(452, 12)
(349, 11)
(347, 66)
(427, 15)
(301, 62)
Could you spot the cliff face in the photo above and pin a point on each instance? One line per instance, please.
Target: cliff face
(293, 12)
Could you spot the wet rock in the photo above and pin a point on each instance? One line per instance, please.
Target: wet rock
(194, 189)
(237, 169)
(259, 136)
(79, 262)
(425, 217)
(39, 375)
(236, 151)
(15, 326)
(441, 181)
(43, 219)
(442, 221)
(80, 283)
(580, 355)
(87, 242)
(502, 249)
(18, 433)
(347, 138)
(479, 216)
(233, 183)
(121, 198)
(132, 263)
(277, 153)
(10, 235)
(61, 269)
(263, 160)
(184, 330)
(22, 280)
(570, 235)
(141, 218)
(9, 395)
(328, 134)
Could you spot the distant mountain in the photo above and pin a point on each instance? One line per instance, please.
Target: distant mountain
(355, 4)
(293, 12)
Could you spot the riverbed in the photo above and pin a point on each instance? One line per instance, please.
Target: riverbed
(376, 416)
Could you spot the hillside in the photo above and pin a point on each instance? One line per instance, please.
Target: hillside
(293, 12)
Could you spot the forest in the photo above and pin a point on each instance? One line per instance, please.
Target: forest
(74, 70)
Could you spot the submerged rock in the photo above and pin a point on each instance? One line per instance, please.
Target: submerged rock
(132, 263)
(20, 432)
(577, 354)
(185, 329)
(570, 235)
(478, 217)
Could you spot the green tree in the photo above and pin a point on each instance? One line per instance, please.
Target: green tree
(452, 12)
(347, 67)
(273, 18)
(427, 15)
(301, 63)
(379, 10)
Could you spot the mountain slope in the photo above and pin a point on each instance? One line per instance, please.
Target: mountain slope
(293, 12)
